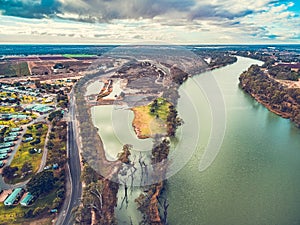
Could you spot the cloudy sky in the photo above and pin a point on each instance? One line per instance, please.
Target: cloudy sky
(139, 21)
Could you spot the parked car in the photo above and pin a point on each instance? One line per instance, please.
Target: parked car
(53, 211)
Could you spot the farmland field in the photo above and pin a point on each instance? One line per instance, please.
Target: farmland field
(14, 69)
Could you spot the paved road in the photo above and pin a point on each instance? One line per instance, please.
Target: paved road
(66, 217)
(45, 150)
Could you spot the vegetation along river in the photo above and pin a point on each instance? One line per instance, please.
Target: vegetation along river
(254, 178)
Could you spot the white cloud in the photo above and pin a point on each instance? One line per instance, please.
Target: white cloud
(205, 21)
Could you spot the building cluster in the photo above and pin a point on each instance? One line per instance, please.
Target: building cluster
(8, 142)
(18, 196)
(21, 104)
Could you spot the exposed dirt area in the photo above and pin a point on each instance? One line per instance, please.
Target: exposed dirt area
(4, 194)
(42, 221)
(290, 84)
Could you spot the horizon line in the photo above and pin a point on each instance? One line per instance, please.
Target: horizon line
(114, 44)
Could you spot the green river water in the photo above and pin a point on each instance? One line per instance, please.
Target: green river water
(253, 180)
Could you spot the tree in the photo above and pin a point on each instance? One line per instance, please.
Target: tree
(124, 155)
(96, 198)
(29, 213)
(160, 151)
(42, 183)
(37, 84)
(26, 167)
(38, 210)
(60, 193)
(8, 172)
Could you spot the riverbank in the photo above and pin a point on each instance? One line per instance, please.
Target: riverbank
(269, 107)
(275, 96)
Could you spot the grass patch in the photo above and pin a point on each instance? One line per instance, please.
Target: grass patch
(8, 95)
(78, 56)
(9, 215)
(9, 123)
(151, 119)
(7, 109)
(22, 155)
(27, 99)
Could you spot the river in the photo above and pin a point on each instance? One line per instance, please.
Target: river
(254, 177)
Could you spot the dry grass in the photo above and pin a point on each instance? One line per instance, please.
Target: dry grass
(147, 124)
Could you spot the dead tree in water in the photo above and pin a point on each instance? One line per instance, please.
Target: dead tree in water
(125, 195)
(165, 206)
(142, 169)
(124, 158)
(132, 177)
(146, 172)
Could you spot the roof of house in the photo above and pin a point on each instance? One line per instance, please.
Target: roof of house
(16, 129)
(4, 150)
(6, 144)
(39, 108)
(26, 200)
(12, 197)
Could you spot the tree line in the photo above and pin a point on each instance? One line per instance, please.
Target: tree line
(278, 98)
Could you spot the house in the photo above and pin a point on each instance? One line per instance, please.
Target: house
(40, 108)
(7, 144)
(27, 200)
(14, 197)
(19, 116)
(14, 133)
(5, 150)
(6, 116)
(3, 156)
(10, 138)
(16, 129)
